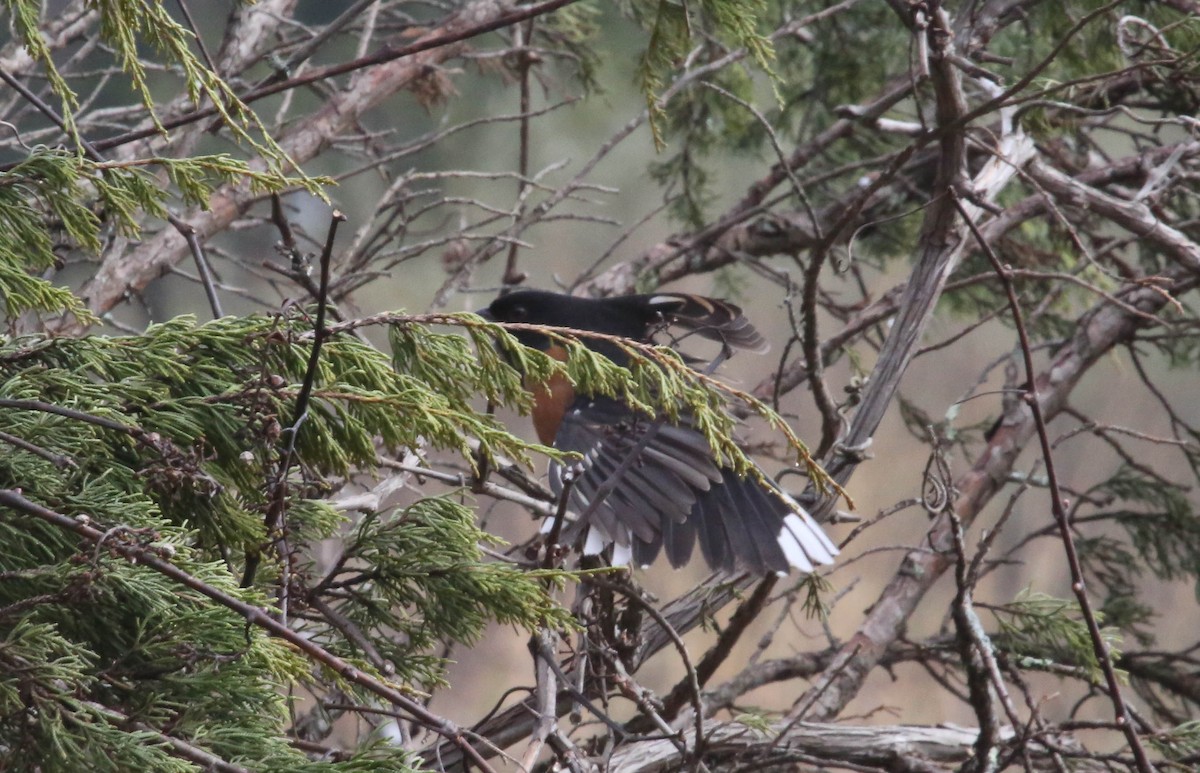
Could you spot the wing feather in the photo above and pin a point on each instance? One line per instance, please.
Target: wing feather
(649, 487)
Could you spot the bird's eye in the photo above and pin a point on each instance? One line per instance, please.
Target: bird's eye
(518, 313)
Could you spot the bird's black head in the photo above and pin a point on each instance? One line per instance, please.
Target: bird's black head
(613, 316)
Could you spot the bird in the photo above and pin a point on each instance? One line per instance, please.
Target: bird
(644, 485)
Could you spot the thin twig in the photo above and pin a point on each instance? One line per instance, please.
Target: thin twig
(320, 333)
(1057, 506)
(522, 45)
(745, 614)
(137, 433)
(202, 267)
(187, 16)
(58, 460)
(274, 520)
(692, 678)
(386, 54)
(972, 645)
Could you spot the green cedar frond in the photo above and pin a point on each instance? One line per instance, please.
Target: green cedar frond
(56, 190)
(672, 33)
(419, 572)
(189, 422)
(1043, 629)
(1179, 743)
(1164, 528)
(124, 26)
(26, 15)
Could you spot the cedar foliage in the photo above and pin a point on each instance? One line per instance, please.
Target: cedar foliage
(225, 448)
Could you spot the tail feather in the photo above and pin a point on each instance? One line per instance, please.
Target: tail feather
(740, 522)
(751, 539)
(807, 532)
(679, 539)
(645, 552)
(710, 531)
(763, 514)
(805, 543)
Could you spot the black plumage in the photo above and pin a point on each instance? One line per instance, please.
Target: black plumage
(647, 486)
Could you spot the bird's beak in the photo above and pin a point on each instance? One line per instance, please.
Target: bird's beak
(486, 314)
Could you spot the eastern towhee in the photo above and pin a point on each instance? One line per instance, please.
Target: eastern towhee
(646, 485)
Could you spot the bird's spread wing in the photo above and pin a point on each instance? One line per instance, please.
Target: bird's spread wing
(646, 486)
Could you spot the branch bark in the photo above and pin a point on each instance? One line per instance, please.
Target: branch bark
(901, 748)
(1101, 329)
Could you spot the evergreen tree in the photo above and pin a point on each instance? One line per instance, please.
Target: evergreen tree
(252, 532)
